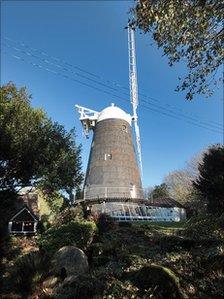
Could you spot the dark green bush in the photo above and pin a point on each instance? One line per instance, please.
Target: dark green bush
(67, 215)
(44, 224)
(105, 223)
(29, 270)
(204, 227)
(100, 261)
(125, 224)
(79, 234)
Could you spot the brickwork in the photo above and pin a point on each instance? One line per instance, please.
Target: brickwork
(112, 169)
(30, 200)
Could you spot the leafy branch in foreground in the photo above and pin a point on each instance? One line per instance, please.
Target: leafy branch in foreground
(187, 30)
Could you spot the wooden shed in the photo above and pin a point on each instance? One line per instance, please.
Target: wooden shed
(23, 222)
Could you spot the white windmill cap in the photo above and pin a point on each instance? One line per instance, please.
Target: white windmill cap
(114, 112)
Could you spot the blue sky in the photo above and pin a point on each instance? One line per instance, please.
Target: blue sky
(91, 35)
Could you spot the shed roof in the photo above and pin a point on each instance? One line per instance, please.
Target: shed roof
(24, 214)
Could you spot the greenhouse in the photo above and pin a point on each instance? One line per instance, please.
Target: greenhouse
(131, 211)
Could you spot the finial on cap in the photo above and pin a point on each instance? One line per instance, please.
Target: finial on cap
(112, 104)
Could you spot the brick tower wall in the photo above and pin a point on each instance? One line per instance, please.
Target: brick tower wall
(30, 200)
(112, 170)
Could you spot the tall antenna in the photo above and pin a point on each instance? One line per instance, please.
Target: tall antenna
(134, 88)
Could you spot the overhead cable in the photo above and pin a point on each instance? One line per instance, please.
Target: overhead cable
(116, 96)
(192, 116)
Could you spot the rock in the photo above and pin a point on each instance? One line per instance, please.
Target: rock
(50, 282)
(69, 261)
(164, 281)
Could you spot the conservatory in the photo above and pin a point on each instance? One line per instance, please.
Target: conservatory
(131, 211)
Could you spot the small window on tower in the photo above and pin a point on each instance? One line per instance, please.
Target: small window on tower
(124, 128)
(108, 157)
(131, 186)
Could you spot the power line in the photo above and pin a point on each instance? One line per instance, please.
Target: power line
(113, 95)
(203, 124)
(192, 116)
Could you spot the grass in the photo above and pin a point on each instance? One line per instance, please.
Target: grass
(162, 226)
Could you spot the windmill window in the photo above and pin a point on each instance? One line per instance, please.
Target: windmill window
(124, 128)
(108, 157)
(131, 186)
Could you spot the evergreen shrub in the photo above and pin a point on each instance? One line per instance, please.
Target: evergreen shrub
(29, 270)
(79, 234)
(105, 223)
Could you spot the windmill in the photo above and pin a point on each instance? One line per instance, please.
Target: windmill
(113, 170)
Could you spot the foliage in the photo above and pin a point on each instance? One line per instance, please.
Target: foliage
(33, 149)
(122, 266)
(86, 286)
(104, 222)
(192, 254)
(186, 30)
(29, 270)
(147, 192)
(50, 204)
(79, 194)
(7, 207)
(79, 234)
(159, 191)
(205, 227)
(210, 182)
(68, 215)
(180, 185)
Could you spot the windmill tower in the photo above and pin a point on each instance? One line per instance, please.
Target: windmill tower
(113, 170)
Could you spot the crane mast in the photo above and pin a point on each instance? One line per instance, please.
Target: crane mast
(133, 82)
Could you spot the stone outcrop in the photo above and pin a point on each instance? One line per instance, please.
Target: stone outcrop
(69, 261)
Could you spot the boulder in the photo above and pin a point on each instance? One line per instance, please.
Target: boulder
(69, 261)
(161, 279)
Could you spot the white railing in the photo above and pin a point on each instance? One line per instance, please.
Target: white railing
(112, 192)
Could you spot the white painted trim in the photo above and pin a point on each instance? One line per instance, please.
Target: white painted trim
(21, 212)
(22, 231)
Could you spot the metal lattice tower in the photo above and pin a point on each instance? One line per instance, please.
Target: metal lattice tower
(133, 82)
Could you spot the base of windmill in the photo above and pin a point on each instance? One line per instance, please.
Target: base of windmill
(127, 209)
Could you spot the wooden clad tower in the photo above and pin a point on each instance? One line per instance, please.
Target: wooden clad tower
(112, 170)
